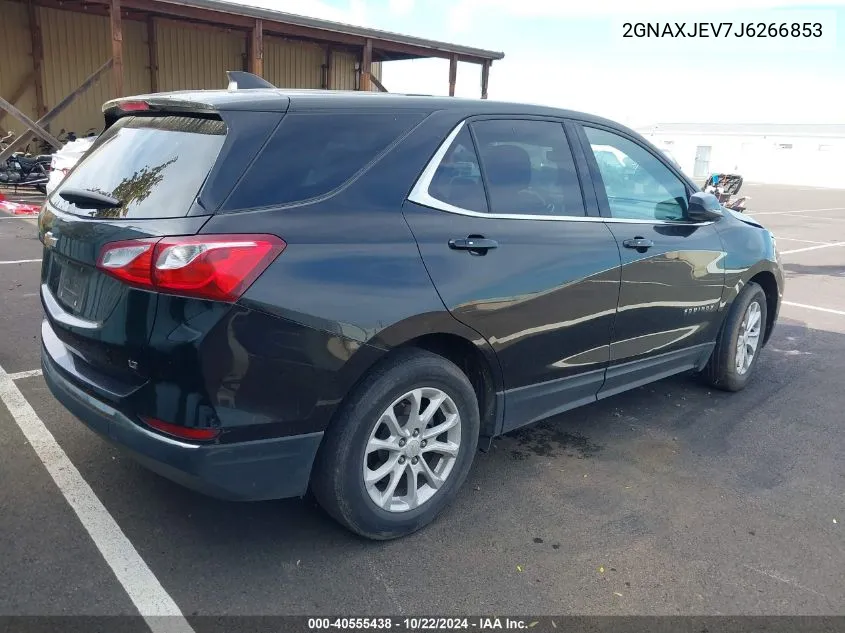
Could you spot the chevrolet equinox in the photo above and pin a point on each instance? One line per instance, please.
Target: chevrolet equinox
(260, 292)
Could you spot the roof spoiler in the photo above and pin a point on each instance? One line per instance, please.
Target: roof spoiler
(240, 80)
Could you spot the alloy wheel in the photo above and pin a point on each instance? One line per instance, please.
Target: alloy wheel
(412, 449)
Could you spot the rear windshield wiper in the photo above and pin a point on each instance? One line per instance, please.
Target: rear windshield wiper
(85, 199)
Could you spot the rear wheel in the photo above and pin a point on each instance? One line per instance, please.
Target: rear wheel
(400, 447)
(740, 341)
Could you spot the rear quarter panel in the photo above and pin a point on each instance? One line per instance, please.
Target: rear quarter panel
(351, 271)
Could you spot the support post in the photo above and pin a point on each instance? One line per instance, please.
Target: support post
(34, 127)
(366, 65)
(256, 48)
(117, 49)
(485, 75)
(377, 83)
(52, 114)
(329, 67)
(453, 74)
(37, 58)
(152, 47)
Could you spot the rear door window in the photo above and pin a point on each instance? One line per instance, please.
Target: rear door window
(528, 168)
(154, 166)
(313, 154)
(457, 181)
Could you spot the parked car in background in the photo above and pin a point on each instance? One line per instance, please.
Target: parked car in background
(258, 292)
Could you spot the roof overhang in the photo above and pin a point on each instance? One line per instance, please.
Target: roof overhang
(386, 45)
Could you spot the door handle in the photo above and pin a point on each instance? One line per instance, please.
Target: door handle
(476, 245)
(639, 243)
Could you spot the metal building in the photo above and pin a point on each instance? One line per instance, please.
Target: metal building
(808, 154)
(61, 59)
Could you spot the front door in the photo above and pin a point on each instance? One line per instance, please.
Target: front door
(672, 269)
(501, 225)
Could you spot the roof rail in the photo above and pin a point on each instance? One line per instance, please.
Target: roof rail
(240, 80)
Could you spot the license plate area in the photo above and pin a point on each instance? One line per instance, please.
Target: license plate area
(73, 284)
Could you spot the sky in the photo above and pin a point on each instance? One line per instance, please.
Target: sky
(571, 54)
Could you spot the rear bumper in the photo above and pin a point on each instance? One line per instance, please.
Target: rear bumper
(245, 471)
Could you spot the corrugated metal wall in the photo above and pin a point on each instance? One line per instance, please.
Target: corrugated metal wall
(290, 64)
(344, 74)
(76, 44)
(192, 59)
(15, 60)
(343, 71)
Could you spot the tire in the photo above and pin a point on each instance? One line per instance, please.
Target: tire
(722, 371)
(339, 470)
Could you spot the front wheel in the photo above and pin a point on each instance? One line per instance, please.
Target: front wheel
(740, 341)
(400, 447)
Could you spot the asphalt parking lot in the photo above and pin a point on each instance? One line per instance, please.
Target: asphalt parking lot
(671, 499)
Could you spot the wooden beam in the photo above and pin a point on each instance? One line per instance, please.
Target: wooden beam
(117, 48)
(485, 76)
(190, 13)
(64, 103)
(152, 49)
(256, 48)
(34, 127)
(377, 83)
(366, 66)
(18, 92)
(453, 74)
(329, 67)
(198, 26)
(37, 57)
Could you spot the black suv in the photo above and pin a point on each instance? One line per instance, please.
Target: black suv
(259, 292)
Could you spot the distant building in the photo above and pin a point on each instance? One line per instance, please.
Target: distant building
(799, 154)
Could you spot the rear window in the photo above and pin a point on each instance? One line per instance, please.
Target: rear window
(312, 154)
(154, 166)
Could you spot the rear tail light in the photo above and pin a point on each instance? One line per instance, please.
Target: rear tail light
(182, 432)
(134, 106)
(214, 267)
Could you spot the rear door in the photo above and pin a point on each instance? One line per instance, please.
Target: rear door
(672, 268)
(517, 252)
(153, 167)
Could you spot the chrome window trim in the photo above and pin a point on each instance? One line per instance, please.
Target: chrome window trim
(420, 195)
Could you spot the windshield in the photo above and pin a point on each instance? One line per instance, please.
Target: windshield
(154, 166)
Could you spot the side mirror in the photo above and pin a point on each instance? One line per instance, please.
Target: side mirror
(704, 207)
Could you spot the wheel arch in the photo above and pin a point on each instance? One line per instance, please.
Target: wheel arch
(768, 282)
(442, 334)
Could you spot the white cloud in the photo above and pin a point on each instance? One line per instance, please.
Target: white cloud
(401, 7)
(564, 8)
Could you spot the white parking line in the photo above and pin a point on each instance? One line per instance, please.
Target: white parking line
(809, 307)
(795, 211)
(24, 374)
(792, 239)
(21, 261)
(824, 217)
(812, 248)
(143, 588)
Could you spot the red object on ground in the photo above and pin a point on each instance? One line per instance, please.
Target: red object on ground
(18, 208)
